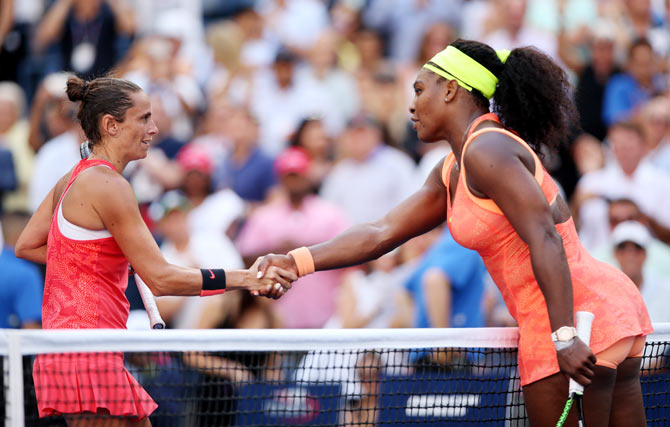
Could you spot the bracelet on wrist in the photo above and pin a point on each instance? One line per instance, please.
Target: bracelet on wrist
(213, 281)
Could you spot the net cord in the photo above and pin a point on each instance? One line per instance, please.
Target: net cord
(82, 340)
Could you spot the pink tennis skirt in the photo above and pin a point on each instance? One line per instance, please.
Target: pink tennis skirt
(85, 382)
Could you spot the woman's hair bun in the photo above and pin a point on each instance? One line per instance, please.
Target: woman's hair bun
(76, 88)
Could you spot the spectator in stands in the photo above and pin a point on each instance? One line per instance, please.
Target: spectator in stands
(626, 176)
(656, 121)
(373, 297)
(447, 286)
(657, 262)
(369, 47)
(312, 137)
(305, 219)
(593, 75)
(363, 410)
(294, 23)
(218, 213)
(45, 122)
(630, 241)
(60, 153)
(627, 92)
(181, 246)
(280, 100)
(87, 33)
(21, 282)
(154, 65)
(222, 373)
(406, 20)
(447, 290)
(246, 169)
(8, 181)
(371, 177)
(13, 138)
(157, 172)
(330, 91)
(514, 31)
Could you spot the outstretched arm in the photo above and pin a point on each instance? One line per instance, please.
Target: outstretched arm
(115, 203)
(423, 211)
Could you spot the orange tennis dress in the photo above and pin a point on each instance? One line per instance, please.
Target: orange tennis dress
(85, 288)
(597, 287)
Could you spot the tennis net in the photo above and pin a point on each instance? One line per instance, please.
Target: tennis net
(290, 377)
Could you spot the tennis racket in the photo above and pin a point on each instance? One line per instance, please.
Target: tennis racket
(149, 301)
(576, 390)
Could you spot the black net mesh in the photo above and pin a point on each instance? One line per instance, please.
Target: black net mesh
(446, 386)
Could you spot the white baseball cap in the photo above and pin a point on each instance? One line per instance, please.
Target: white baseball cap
(631, 231)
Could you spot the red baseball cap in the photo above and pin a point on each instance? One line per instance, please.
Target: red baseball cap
(292, 160)
(194, 158)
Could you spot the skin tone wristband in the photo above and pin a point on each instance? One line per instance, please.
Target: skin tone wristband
(303, 260)
(213, 281)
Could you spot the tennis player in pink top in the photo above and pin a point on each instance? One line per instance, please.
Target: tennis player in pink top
(86, 230)
(498, 199)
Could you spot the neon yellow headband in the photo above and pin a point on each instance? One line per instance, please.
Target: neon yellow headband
(452, 64)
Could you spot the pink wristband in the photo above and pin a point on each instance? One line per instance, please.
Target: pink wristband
(303, 260)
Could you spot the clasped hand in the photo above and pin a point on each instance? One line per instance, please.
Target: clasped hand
(275, 274)
(577, 361)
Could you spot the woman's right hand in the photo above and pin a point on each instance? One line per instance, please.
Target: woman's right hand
(273, 281)
(577, 361)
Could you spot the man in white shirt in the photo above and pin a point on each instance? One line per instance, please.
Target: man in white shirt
(56, 157)
(372, 178)
(626, 176)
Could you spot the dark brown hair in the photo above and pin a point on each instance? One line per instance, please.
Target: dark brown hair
(533, 93)
(104, 95)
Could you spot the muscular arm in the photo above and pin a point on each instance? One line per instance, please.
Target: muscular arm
(423, 211)
(522, 201)
(115, 203)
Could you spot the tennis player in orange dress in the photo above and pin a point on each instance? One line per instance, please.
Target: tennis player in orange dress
(87, 230)
(499, 200)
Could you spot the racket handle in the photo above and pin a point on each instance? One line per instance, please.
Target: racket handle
(584, 323)
(149, 304)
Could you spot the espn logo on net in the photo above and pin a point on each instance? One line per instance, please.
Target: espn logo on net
(440, 405)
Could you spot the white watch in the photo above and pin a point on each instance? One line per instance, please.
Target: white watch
(563, 334)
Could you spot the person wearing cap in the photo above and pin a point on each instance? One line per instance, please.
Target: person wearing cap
(181, 246)
(657, 262)
(214, 212)
(297, 217)
(498, 199)
(371, 177)
(630, 241)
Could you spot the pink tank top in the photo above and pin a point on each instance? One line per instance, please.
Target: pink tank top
(85, 280)
(480, 225)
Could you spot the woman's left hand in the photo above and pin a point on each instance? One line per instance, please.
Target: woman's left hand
(577, 361)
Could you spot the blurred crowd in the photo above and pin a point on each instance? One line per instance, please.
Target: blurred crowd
(283, 122)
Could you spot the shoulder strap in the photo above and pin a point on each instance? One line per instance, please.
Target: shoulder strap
(484, 117)
(489, 204)
(80, 167)
(446, 168)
